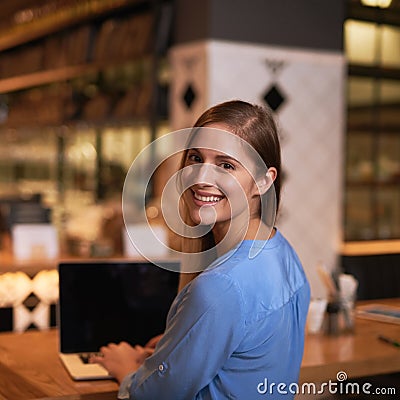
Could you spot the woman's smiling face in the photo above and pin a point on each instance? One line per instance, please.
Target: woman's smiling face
(220, 187)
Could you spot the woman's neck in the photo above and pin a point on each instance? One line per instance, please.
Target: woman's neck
(228, 236)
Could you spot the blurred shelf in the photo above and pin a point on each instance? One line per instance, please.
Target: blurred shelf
(379, 129)
(9, 264)
(64, 17)
(369, 71)
(371, 247)
(56, 75)
(394, 183)
(85, 48)
(373, 14)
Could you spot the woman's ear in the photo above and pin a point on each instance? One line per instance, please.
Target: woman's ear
(265, 182)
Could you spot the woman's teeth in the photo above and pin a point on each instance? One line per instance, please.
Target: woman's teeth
(211, 199)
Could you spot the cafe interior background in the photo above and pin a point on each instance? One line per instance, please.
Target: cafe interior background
(86, 85)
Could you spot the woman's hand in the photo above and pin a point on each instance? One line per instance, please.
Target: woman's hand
(121, 359)
(152, 343)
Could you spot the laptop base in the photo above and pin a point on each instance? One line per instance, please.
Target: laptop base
(81, 371)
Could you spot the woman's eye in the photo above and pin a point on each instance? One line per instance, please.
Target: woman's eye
(194, 158)
(227, 166)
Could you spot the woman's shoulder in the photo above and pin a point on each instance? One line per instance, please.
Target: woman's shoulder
(215, 280)
(210, 291)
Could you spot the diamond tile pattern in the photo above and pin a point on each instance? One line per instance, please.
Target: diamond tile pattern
(188, 90)
(189, 96)
(274, 98)
(28, 302)
(31, 302)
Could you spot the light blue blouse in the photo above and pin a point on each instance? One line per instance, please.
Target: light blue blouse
(234, 332)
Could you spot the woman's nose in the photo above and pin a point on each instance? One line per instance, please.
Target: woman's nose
(205, 174)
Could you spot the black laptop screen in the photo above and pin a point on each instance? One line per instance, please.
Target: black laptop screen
(103, 302)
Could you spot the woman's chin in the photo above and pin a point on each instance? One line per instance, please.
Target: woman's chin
(203, 220)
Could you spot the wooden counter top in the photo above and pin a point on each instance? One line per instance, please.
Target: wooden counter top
(31, 369)
(358, 354)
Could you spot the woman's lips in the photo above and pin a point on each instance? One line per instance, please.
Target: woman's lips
(204, 199)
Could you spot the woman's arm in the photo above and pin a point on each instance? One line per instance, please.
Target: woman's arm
(123, 359)
(205, 328)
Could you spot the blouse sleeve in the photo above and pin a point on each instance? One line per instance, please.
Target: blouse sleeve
(204, 328)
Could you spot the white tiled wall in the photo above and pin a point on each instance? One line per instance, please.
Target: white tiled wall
(311, 122)
(189, 66)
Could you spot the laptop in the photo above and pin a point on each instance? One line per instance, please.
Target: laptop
(110, 301)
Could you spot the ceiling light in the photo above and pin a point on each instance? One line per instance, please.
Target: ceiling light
(376, 3)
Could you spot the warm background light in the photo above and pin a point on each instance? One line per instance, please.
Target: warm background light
(376, 3)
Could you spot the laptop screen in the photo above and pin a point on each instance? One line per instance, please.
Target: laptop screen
(113, 301)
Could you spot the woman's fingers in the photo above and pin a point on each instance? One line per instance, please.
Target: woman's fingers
(119, 359)
(152, 343)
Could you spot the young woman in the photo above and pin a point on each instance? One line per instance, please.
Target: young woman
(236, 330)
